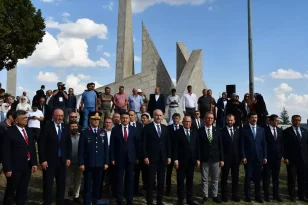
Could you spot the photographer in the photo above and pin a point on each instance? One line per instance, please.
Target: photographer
(59, 97)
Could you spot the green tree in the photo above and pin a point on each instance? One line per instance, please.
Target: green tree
(21, 29)
(284, 117)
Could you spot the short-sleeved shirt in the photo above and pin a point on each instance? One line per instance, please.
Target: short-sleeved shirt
(34, 123)
(135, 102)
(89, 98)
(59, 100)
(205, 103)
(120, 100)
(106, 105)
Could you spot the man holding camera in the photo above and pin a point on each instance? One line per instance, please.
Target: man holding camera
(60, 96)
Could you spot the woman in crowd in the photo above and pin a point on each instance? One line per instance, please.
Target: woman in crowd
(23, 105)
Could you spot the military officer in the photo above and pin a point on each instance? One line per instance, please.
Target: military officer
(93, 158)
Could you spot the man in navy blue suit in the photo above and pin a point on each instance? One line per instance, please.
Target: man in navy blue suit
(124, 154)
(254, 155)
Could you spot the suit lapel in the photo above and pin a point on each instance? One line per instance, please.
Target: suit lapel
(20, 135)
(54, 130)
(154, 130)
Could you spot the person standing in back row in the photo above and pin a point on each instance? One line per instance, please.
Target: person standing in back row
(120, 101)
(190, 102)
(88, 104)
(157, 101)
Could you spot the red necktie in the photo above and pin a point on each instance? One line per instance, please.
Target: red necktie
(27, 141)
(125, 134)
(275, 136)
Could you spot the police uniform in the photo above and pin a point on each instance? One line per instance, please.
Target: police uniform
(93, 153)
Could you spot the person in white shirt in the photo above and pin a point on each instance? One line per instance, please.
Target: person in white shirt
(23, 105)
(173, 101)
(190, 102)
(35, 117)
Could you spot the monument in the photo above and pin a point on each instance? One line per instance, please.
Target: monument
(11, 81)
(154, 73)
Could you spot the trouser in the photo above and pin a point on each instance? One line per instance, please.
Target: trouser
(57, 171)
(137, 170)
(234, 167)
(190, 112)
(296, 171)
(252, 168)
(271, 168)
(171, 111)
(74, 174)
(109, 180)
(168, 176)
(18, 182)
(36, 133)
(68, 111)
(210, 169)
(92, 180)
(86, 112)
(105, 113)
(186, 170)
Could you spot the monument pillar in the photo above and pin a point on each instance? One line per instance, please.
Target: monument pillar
(11, 81)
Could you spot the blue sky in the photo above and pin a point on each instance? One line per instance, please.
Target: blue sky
(80, 45)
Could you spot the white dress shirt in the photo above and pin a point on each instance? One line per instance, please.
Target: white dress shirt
(108, 136)
(171, 98)
(190, 101)
(156, 97)
(272, 130)
(211, 130)
(155, 125)
(176, 127)
(229, 130)
(198, 122)
(132, 124)
(253, 127)
(56, 126)
(95, 130)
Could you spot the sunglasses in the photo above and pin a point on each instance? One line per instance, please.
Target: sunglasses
(73, 116)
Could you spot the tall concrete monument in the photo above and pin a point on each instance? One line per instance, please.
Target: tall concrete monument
(11, 81)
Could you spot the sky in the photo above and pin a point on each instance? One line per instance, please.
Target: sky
(80, 45)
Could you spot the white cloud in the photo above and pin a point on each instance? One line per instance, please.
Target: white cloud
(65, 14)
(134, 39)
(50, 23)
(79, 83)
(173, 80)
(109, 6)
(259, 79)
(99, 47)
(107, 54)
(48, 77)
(21, 89)
(84, 77)
(283, 88)
(140, 5)
(137, 58)
(287, 74)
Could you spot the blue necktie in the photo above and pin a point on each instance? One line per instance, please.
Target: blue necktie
(59, 137)
(158, 130)
(254, 132)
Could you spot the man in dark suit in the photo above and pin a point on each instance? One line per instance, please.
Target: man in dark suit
(138, 167)
(124, 151)
(231, 144)
(157, 155)
(19, 158)
(253, 154)
(186, 156)
(55, 150)
(157, 101)
(45, 110)
(196, 121)
(176, 118)
(296, 157)
(211, 157)
(274, 140)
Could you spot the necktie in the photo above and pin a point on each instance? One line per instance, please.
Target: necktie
(254, 132)
(158, 130)
(176, 127)
(298, 135)
(27, 141)
(134, 124)
(125, 134)
(209, 136)
(275, 135)
(188, 135)
(59, 137)
(198, 124)
(232, 133)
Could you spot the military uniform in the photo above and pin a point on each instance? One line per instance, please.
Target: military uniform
(93, 153)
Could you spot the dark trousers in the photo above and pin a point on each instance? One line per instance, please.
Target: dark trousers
(126, 169)
(234, 167)
(296, 171)
(190, 112)
(92, 177)
(120, 111)
(36, 133)
(252, 168)
(57, 171)
(160, 168)
(18, 182)
(168, 176)
(137, 170)
(272, 168)
(186, 170)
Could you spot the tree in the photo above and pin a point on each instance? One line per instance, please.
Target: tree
(284, 117)
(21, 29)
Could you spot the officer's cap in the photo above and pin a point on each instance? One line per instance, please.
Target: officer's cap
(95, 115)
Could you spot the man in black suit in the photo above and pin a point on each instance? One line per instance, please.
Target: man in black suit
(231, 144)
(45, 110)
(253, 154)
(176, 118)
(55, 150)
(19, 158)
(274, 142)
(124, 151)
(186, 156)
(157, 101)
(211, 155)
(296, 157)
(196, 121)
(157, 155)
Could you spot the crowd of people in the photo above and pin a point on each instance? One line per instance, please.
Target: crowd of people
(115, 142)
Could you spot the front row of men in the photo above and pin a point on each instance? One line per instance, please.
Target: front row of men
(157, 147)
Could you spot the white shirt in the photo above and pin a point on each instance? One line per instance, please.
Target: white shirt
(229, 130)
(156, 96)
(47, 99)
(272, 130)
(108, 136)
(207, 129)
(190, 101)
(225, 103)
(56, 126)
(126, 129)
(95, 130)
(186, 130)
(132, 124)
(175, 127)
(155, 125)
(34, 123)
(253, 127)
(198, 122)
(299, 130)
(171, 98)
(78, 102)
(21, 132)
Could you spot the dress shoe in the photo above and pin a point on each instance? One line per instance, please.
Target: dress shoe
(138, 194)
(293, 199)
(277, 198)
(216, 200)
(236, 199)
(225, 199)
(204, 200)
(67, 201)
(168, 192)
(259, 200)
(180, 203)
(303, 199)
(267, 199)
(77, 201)
(191, 202)
(129, 203)
(247, 199)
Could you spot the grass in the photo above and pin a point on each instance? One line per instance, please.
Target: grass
(35, 190)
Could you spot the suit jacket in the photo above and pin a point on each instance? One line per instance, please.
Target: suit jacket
(15, 150)
(185, 150)
(251, 147)
(120, 149)
(47, 113)
(231, 147)
(274, 148)
(210, 151)
(139, 128)
(295, 150)
(159, 104)
(49, 144)
(194, 123)
(154, 147)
